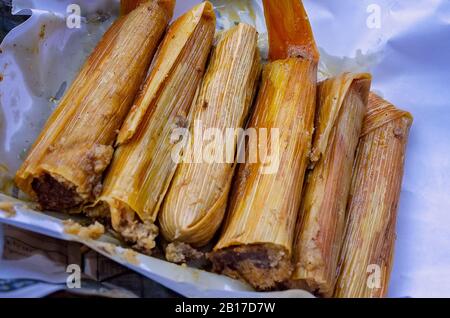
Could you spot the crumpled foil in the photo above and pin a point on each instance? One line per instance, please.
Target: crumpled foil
(404, 44)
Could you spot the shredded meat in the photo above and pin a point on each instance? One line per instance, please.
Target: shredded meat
(97, 159)
(99, 211)
(56, 193)
(53, 194)
(179, 253)
(262, 266)
(141, 235)
(93, 164)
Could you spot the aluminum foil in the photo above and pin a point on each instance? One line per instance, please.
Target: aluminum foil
(404, 44)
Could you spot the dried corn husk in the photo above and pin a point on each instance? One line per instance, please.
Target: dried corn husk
(126, 6)
(366, 256)
(142, 167)
(342, 102)
(290, 33)
(63, 170)
(256, 243)
(195, 204)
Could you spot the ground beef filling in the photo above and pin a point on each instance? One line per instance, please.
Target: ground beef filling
(262, 266)
(141, 235)
(54, 195)
(178, 252)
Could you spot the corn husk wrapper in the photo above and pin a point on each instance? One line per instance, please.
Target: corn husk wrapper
(256, 242)
(126, 6)
(263, 207)
(195, 204)
(367, 253)
(143, 167)
(290, 33)
(341, 107)
(64, 167)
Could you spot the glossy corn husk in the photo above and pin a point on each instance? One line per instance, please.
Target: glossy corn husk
(143, 166)
(195, 204)
(126, 6)
(366, 256)
(341, 106)
(64, 167)
(290, 34)
(256, 243)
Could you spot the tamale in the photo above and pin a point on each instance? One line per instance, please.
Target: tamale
(63, 169)
(341, 106)
(290, 33)
(367, 252)
(195, 203)
(256, 242)
(142, 167)
(126, 6)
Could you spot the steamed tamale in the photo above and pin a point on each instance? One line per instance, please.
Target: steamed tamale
(126, 6)
(142, 167)
(341, 106)
(367, 252)
(63, 170)
(290, 34)
(195, 204)
(256, 243)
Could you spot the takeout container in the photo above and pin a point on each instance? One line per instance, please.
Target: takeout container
(36, 70)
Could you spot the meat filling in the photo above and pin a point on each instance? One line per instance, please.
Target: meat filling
(54, 195)
(141, 235)
(180, 253)
(262, 266)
